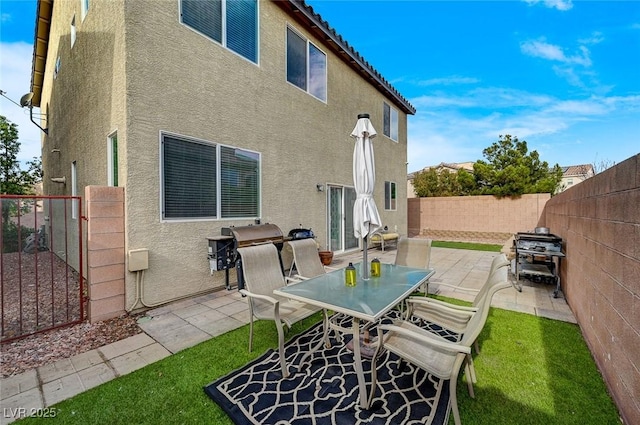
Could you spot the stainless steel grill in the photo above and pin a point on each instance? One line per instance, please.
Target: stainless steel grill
(538, 257)
(223, 254)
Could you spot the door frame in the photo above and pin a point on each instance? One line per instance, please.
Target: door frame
(345, 242)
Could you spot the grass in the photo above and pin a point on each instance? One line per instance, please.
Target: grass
(468, 245)
(530, 370)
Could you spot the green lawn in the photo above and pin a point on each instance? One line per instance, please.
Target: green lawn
(530, 371)
(468, 245)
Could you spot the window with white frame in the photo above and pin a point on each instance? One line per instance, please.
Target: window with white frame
(85, 7)
(74, 189)
(232, 23)
(306, 65)
(390, 121)
(390, 196)
(56, 68)
(112, 160)
(204, 180)
(73, 30)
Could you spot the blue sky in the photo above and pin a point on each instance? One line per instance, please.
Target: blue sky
(562, 75)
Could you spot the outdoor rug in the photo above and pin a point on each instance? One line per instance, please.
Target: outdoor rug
(324, 390)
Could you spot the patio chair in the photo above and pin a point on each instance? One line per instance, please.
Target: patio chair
(434, 354)
(414, 252)
(262, 273)
(306, 259)
(455, 317)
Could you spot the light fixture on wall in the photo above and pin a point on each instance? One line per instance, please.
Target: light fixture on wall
(62, 180)
(320, 187)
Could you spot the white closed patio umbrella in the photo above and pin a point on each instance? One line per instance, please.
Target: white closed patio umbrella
(366, 219)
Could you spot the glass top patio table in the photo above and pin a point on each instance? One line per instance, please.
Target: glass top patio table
(369, 300)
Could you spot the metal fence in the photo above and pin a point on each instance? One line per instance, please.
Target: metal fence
(41, 266)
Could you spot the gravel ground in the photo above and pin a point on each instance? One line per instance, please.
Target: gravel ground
(48, 347)
(41, 294)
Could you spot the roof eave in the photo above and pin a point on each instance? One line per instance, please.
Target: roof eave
(40, 46)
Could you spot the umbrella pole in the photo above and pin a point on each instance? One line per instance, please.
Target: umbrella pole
(365, 273)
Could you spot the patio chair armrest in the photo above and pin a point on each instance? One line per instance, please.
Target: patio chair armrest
(331, 268)
(260, 297)
(292, 280)
(427, 339)
(430, 302)
(457, 288)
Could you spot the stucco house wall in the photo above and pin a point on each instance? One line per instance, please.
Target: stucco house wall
(135, 69)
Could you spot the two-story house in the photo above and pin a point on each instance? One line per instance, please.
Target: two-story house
(210, 114)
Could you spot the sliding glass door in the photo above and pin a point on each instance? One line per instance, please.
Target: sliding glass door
(340, 202)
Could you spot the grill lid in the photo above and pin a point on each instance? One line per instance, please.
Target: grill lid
(260, 233)
(301, 234)
(538, 237)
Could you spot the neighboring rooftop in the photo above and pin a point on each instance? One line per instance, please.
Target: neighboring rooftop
(584, 170)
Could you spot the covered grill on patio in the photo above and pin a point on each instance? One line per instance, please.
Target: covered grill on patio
(535, 257)
(223, 254)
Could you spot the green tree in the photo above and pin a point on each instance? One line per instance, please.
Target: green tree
(425, 183)
(432, 182)
(510, 170)
(13, 180)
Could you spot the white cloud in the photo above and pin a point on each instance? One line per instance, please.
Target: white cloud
(595, 38)
(457, 128)
(553, 4)
(448, 81)
(15, 70)
(540, 48)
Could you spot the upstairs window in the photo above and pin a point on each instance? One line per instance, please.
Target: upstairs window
(73, 30)
(390, 124)
(85, 7)
(203, 180)
(232, 23)
(306, 65)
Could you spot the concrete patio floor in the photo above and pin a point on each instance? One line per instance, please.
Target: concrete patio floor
(183, 324)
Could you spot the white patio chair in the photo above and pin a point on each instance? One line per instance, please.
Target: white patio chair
(306, 259)
(262, 274)
(413, 252)
(455, 317)
(434, 354)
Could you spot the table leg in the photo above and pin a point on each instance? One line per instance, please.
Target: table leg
(357, 358)
(324, 340)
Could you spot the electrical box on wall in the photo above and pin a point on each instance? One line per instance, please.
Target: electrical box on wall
(138, 259)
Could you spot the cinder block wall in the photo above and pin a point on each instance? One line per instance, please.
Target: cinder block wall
(485, 214)
(599, 220)
(105, 252)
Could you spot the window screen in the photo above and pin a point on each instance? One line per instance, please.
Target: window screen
(389, 195)
(390, 121)
(232, 23)
(205, 180)
(189, 179)
(296, 60)
(306, 65)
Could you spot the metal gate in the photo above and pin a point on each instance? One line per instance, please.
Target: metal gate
(41, 267)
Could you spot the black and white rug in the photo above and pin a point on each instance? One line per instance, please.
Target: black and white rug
(324, 390)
